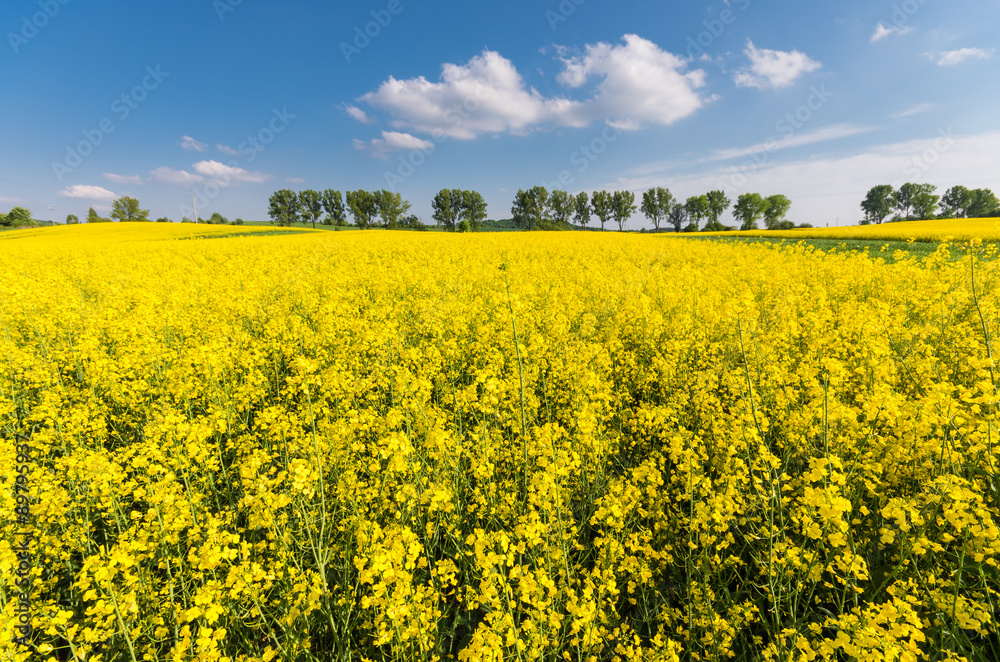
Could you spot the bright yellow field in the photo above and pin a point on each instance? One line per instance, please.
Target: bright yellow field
(404, 446)
(959, 229)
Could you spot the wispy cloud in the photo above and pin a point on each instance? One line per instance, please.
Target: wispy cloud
(167, 175)
(87, 193)
(122, 179)
(190, 144)
(222, 173)
(823, 134)
(951, 58)
(884, 32)
(358, 114)
(915, 110)
(392, 141)
(9, 201)
(773, 69)
(295, 180)
(226, 149)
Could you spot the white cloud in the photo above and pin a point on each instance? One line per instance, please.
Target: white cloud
(639, 83)
(167, 175)
(773, 69)
(226, 149)
(87, 193)
(392, 141)
(122, 179)
(951, 58)
(884, 32)
(915, 110)
(358, 114)
(223, 174)
(9, 201)
(824, 189)
(190, 144)
(823, 134)
(295, 180)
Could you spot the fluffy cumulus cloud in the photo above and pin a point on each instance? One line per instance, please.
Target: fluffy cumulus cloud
(951, 58)
(639, 84)
(87, 193)
(166, 175)
(224, 174)
(190, 144)
(392, 141)
(884, 32)
(773, 69)
(631, 84)
(122, 179)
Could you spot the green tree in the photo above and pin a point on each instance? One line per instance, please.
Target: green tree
(718, 203)
(445, 213)
(391, 207)
(333, 204)
(218, 219)
(601, 203)
(530, 208)
(311, 203)
(363, 206)
(956, 201)
(583, 210)
(562, 207)
(777, 209)
(284, 208)
(750, 208)
(623, 206)
(925, 202)
(903, 199)
(474, 210)
(72, 219)
(697, 209)
(19, 217)
(126, 210)
(238, 221)
(656, 205)
(982, 204)
(879, 203)
(678, 217)
(93, 216)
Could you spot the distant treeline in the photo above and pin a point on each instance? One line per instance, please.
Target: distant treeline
(920, 202)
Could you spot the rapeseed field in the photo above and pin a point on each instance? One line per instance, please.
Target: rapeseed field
(954, 229)
(579, 446)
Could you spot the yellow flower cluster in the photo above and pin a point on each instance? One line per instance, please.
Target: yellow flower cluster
(382, 446)
(951, 229)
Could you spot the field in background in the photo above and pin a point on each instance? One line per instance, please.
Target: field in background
(412, 446)
(960, 229)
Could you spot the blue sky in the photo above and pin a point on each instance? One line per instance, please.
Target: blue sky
(234, 99)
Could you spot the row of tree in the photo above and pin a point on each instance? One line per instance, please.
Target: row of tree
(368, 208)
(920, 202)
